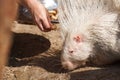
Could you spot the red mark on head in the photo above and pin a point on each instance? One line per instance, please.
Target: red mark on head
(78, 38)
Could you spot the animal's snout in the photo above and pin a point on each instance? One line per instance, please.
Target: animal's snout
(68, 65)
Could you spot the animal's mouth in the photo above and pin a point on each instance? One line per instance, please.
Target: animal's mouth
(69, 65)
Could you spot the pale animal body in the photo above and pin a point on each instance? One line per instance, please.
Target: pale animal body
(90, 31)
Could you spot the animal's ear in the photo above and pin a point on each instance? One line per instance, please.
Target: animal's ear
(108, 19)
(78, 38)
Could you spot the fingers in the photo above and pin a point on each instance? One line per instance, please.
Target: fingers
(45, 22)
(43, 26)
(39, 24)
(40, 15)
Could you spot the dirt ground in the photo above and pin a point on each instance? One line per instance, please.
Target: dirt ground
(35, 55)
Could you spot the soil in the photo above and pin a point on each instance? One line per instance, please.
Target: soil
(35, 55)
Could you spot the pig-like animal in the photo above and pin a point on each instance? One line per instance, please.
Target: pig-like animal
(90, 31)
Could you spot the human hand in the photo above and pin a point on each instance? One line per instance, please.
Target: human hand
(40, 14)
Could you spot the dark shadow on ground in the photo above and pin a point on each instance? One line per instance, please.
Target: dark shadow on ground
(27, 49)
(51, 63)
(105, 73)
(27, 45)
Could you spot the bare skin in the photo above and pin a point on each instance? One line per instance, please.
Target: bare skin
(8, 10)
(39, 13)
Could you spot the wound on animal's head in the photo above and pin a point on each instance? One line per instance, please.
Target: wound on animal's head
(78, 39)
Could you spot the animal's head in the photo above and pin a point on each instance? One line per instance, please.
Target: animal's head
(76, 50)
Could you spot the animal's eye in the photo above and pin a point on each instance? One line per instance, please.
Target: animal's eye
(71, 51)
(78, 38)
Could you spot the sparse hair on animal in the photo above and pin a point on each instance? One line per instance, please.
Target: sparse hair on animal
(90, 31)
